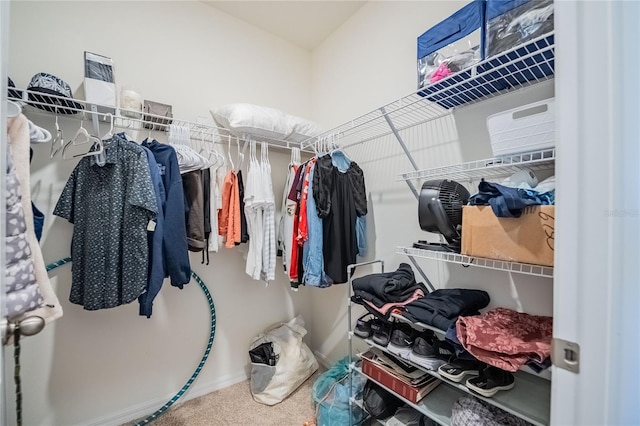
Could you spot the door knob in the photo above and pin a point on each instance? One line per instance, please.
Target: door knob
(28, 327)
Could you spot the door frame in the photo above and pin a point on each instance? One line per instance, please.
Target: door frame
(597, 261)
(4, 58)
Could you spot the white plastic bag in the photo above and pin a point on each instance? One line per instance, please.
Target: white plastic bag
(295, 363)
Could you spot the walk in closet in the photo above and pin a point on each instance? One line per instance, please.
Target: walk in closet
(356, 81)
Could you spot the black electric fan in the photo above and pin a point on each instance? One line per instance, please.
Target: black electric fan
(440, 211)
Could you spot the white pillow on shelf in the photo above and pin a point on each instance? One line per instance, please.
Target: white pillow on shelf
(248, 119)
(302, 129)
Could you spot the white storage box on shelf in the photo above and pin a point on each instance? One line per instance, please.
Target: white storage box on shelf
(527, 128)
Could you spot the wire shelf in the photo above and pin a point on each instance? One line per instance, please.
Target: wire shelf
(461, 259)
(530, 399)
(42, 103)
(493, 167)
(522, 66)
(436, 404)
(421, 325)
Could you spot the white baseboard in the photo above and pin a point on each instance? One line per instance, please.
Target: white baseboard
(143, 409)
(323, 360)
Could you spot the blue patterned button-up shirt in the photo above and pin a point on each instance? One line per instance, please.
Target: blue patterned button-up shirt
(110, 207)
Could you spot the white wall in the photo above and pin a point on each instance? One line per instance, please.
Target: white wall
(109, 366)
(371, 61)
(92, 366)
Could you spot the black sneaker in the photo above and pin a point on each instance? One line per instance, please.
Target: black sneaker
(444, 350)
(425, 353)
(363, 327)
(402, 338)
(380, 332)
(457, 370)
(490, 381)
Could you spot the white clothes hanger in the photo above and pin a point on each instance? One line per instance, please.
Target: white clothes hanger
(109, 134)
(203, 149)
(188, 158)
(82, 137)
(209, 152)
(335, 147)
(57, 140)
(241, 153)
(221, 160)
(264, 151)
(233, 167)
(295, 155)
(97, 148)
(13, 109)
(38, 134)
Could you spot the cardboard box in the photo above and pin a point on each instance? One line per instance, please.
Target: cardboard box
(527, 239)
(394, 383)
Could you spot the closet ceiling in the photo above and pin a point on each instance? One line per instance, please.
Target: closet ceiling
(304, 23)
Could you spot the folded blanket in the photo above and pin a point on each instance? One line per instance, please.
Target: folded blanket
(505, 338)
(442, 307)
(384, 309)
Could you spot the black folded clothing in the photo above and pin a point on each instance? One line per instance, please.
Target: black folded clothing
(442, 308)
(388, 287)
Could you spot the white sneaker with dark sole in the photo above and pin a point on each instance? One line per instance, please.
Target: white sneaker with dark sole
(457, 370)
(491, 381)
(401, 351)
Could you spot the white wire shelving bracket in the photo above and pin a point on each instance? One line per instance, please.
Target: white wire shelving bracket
(495, 167)
(461, 259)
(522, 66)
(52, 105)
(515, 69)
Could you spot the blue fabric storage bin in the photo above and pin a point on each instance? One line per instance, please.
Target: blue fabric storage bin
(535, 67)
(510, 23)
(462, 23)
(457, 26)
(496, 8)
(493, 76)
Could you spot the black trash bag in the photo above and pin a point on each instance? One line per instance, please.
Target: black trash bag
(263, 354)
(379, 402)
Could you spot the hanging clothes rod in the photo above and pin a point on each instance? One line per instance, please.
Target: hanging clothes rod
(52, 105)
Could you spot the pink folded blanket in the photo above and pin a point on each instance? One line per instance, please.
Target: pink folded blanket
(505, 338)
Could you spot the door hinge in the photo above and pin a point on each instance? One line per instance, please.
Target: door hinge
(565, 354)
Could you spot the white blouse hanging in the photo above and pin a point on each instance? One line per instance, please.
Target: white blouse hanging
(269, 218)
(254, 200)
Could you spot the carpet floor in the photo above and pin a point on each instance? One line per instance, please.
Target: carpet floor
(234, 406)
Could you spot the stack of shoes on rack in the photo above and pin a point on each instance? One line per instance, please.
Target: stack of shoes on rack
(378, 330)
(363, 326)
(430, 352)
(407, 416)
(458, 369)
(490, 381)
(485, 380)
(422, 348)
(402, 339)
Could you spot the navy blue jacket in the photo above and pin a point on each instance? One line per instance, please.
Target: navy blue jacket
(157, 268)
(176, 255)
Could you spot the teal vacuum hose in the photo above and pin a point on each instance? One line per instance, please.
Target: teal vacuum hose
(212, 331)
